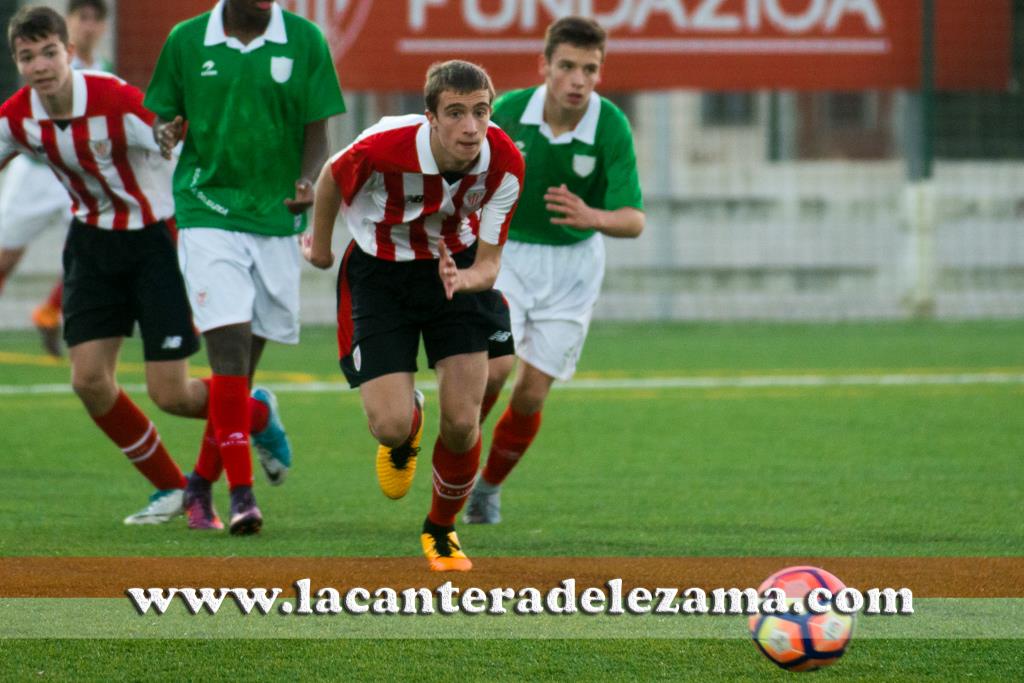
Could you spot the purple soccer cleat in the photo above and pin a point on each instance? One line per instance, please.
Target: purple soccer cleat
(246, 517)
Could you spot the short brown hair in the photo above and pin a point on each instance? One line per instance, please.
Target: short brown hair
(576, 31)
(99, 5)
(36, 23)
(457, 76)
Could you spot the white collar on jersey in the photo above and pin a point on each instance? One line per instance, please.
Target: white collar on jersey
(215, 35)
(79, 96)
(428, 165)
(585, 130)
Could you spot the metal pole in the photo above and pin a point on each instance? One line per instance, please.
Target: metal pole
(921, 130)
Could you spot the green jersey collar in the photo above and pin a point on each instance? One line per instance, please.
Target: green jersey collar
(215, 35)
(585, 130)
(428, 165)
(79, 95)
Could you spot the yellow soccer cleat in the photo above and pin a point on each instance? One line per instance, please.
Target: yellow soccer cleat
(46, 318)
(442, 549)
(396, 466)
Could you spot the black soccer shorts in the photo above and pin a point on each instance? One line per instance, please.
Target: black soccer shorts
(384, 307)
(113, 279)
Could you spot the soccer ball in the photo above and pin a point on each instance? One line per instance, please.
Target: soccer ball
(805, 641)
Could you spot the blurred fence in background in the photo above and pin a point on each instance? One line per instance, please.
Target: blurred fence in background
(776, 204)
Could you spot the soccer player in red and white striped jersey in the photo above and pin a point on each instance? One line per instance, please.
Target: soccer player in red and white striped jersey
(428, 200)
(120, 263)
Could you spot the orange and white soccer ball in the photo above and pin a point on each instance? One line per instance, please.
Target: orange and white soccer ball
(804, 641)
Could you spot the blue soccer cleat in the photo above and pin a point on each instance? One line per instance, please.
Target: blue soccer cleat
(272, 443)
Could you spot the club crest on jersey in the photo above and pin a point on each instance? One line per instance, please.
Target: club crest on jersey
(281, 68)
(100, 148)
(583, 164)
(473, 199)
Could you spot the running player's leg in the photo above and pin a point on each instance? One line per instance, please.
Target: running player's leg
(551, 330)
(93, 365)
(216, 265)
(275, 317)
(100, 282)
(461, 382)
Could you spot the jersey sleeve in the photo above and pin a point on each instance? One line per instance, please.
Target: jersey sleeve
(8, 148)
(623, 180)
(496, 214)
(165, 94)
(351, 168)
(324, 98)
(138, 121)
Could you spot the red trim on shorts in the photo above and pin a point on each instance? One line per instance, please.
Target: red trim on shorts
(345, 325)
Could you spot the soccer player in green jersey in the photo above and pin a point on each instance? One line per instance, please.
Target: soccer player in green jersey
(581, 184)
(255, 86)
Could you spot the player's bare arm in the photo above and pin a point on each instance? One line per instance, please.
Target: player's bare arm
(316, 247)
(624, 222)
(314, 153)
(478, 277)
(168, 134)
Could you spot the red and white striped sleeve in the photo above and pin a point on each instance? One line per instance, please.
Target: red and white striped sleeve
(138, 121)
(351, 168)
(8, 145)
(504, 183)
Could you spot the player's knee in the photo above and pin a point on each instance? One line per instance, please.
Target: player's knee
(528, 399)
(170, 400)
(390, 430)
(93, 388)
(459, 432)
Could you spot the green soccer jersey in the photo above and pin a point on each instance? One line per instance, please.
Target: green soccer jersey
(595, 161)
(246, 108)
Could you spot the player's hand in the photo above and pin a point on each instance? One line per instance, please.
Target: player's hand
(168, 135)
(448, 271)
(575, 212)
(321, 261)
(303, 197)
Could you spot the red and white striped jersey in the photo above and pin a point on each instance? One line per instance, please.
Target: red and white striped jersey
(398, 206)
(104, 154)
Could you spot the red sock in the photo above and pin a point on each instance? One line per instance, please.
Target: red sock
(454, 474)
(131, 430)
(56, 297)
(485, 408)
(259, 412)
(229, 411)
(208, 465)
(512, 436)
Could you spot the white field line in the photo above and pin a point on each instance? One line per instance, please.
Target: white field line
(640, 383)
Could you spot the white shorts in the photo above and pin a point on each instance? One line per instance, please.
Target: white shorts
(31, 200)
(238, 277)
(551, 293)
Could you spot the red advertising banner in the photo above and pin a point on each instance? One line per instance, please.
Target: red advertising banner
(386, 45)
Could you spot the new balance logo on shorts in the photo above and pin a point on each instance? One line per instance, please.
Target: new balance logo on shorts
(171, 343)
(500, 336)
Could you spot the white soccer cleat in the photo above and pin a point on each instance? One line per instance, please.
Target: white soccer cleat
(163, 507)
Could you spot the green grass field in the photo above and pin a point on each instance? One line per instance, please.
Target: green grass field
(888, 439)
